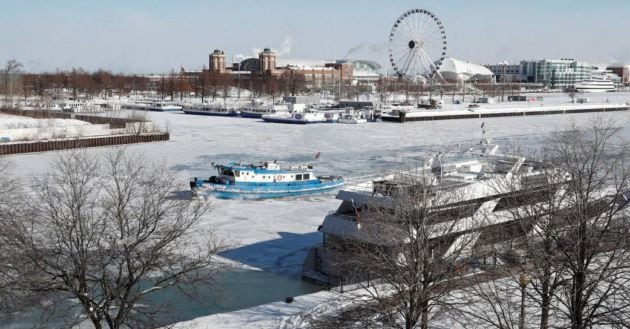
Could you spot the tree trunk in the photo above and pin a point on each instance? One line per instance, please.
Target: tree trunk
(545, 300)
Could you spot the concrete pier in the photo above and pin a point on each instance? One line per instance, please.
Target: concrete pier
(478, 113)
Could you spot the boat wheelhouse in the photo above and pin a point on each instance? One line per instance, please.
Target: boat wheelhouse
(263, 180)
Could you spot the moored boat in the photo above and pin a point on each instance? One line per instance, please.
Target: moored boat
(212, 109)
(307, 116)
(353, 117)
(163, 107)
(263, 180)
(596, 84)
(257, 109)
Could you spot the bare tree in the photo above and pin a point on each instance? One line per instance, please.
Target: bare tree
(410, 242)
(11, 296)
(494, 304)
(573, 241)
(537, 204)
(571, 92)
(107, 233)
(11, 72)
(594, 250)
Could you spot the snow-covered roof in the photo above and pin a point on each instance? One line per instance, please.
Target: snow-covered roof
(301, 62)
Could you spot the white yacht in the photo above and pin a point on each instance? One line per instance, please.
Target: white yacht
(476, 176)
(353, 117)
(301, 117)
(595, 84)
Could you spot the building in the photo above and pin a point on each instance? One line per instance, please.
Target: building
(454, 70)
(217, 61)
(505, 72)
(363, 71)
(299, 74)
(552, 73)
(621, 70)
(561, 73)
(267, 60)
(313, 76)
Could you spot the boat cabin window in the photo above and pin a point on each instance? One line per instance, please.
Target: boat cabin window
(237, 173)
(306, 176)
(227, 172)
(298, 177)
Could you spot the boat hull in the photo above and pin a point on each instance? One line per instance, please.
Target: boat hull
(594, 90)
(216, 114)
(163, 109)
(291, 120)
(265, 191)
(251, 115)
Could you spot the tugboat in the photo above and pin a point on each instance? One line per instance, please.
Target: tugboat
(263, 180)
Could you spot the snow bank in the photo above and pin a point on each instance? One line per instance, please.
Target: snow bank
(274, 315)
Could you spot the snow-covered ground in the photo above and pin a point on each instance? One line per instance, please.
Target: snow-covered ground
(274, 235)
(8, 122)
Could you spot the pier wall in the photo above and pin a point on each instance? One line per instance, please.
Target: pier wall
(493, 113)
(44, 133)
(65, 144)
(45, 114)
(102, 131)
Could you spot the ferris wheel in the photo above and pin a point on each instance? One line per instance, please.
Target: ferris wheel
(417, 44)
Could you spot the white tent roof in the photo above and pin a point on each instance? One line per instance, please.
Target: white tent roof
(464, 70)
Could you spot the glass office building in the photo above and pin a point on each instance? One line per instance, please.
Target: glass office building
(560, 73)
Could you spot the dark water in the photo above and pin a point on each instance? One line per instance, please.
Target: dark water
(233, 290)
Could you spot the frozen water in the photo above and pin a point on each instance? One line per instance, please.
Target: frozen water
(282, 228)
(274, 235)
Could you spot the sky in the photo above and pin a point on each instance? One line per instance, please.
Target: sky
(144, 36)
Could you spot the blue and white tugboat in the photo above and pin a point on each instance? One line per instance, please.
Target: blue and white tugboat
(263, 180)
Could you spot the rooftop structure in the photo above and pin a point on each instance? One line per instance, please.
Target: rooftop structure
(217, 61)
(459, 71)
(267, 59)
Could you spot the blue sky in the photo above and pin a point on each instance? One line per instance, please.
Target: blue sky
(157, 36)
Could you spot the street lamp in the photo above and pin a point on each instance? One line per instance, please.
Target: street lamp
(238, 77)
(523, 281)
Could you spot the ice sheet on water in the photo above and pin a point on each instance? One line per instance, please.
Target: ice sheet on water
(347, 150)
